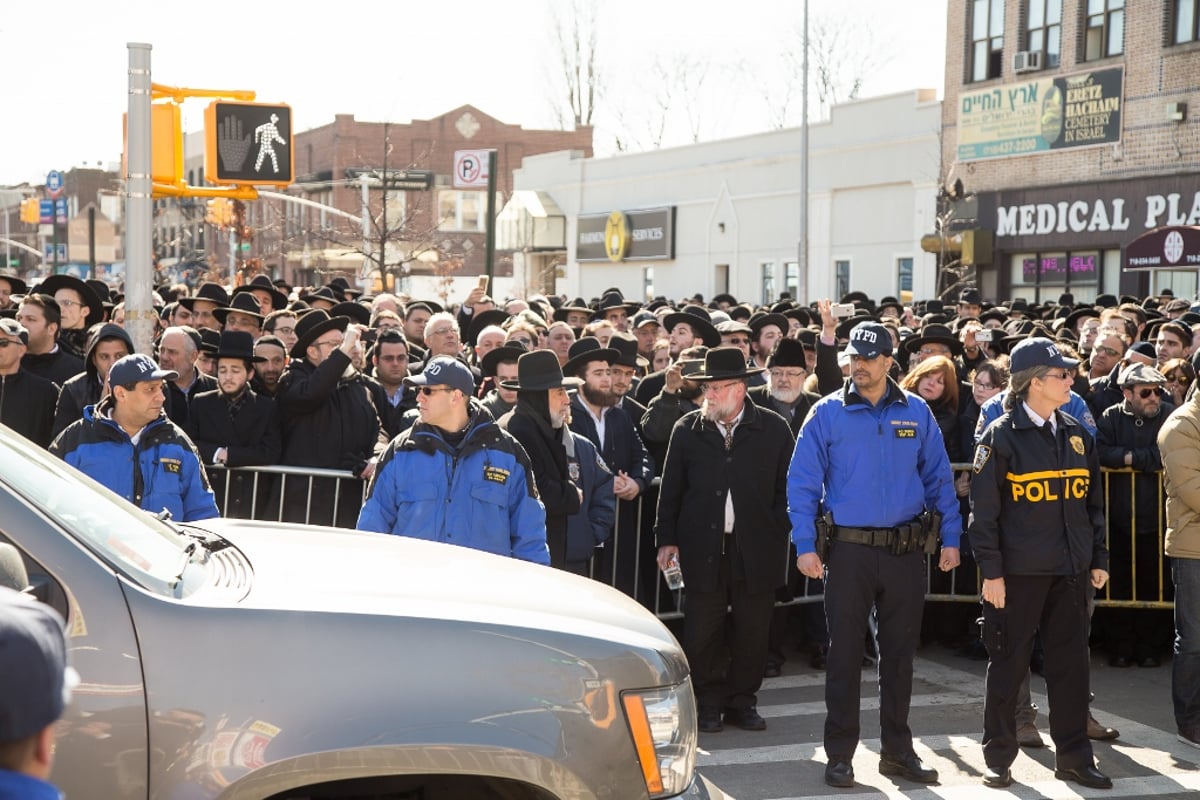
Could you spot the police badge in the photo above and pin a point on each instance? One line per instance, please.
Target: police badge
(573, 470)
(1077, 444)
(982, 454)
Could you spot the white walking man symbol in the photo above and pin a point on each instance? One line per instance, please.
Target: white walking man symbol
(265, 136)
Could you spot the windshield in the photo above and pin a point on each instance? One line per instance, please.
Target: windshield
(131, 540)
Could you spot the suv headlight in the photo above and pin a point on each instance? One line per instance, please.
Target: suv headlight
(663, 724)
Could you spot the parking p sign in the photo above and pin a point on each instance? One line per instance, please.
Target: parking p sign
(471, 169)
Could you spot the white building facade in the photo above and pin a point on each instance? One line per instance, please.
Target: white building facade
(725, 216)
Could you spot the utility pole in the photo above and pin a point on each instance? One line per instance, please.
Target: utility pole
(139, 313)
(802, 255)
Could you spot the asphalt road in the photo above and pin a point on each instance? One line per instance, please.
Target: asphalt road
(788, 761)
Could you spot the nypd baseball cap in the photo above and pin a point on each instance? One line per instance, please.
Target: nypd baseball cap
(1038, 352)
(37, 682)
(445, 371)
(869, 340)
(138, 367)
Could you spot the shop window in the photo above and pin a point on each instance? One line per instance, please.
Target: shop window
(1104, 29)
(460, 211)
(1187, 18)
(841, 278)
(904, 274)
(1044, 276)
(768, 281)
(986, 57)
(648, 282)
(1043, 30)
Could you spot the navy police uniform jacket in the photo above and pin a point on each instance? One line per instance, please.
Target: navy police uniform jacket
(481, 495)
(161, 471)
(1037, 503)
(871, 466)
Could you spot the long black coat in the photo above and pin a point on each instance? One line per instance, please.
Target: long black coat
(1120, 430)
(330, 422)
(27, 405)
(698, 474)
(251, 439)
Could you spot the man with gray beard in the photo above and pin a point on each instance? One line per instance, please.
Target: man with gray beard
(784, 392)
(722, 514)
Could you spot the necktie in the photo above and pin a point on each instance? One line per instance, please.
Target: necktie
(729, 437)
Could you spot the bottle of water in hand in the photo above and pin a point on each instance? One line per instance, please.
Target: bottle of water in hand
(673, 575)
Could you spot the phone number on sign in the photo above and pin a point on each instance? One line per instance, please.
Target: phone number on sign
(1011, 147)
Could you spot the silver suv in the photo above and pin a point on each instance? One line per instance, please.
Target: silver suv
(238, 659)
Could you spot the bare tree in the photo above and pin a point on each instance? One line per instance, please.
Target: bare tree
(579, 80)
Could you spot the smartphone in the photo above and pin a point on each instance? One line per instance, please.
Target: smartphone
(984, 335)
(841, 310)
(482, 283)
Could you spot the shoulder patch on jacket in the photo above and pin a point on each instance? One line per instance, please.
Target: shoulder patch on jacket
(982, 454)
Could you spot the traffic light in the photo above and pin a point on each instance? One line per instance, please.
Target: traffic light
(248, 143)
(220, 212)
(30, 210)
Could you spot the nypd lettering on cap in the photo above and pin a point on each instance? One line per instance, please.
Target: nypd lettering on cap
(861, 334)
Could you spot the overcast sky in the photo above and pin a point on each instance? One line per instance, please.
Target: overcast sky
(64, 64)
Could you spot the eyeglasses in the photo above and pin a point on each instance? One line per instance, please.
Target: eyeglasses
(284, 331)
(738, 340)
(332, 343)
(934, 351)
(428, 390)
(790, 374)
(4, 343)
(69, 303)
(979, 385)
(714, 388)
(1061, 374)
(1146, 393)
(442, 332)
(1107, 351)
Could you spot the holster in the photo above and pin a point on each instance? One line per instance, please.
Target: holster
(931, 523)
(824, 528)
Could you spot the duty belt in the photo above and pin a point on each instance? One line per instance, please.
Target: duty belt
(881, 537)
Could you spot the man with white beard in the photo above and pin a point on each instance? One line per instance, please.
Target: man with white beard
(784, 392)
(722, 514)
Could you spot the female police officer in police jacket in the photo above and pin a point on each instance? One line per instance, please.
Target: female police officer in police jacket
(1037, 530)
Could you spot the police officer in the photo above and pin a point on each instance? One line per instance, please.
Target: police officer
(1037, 530)
(871, 457)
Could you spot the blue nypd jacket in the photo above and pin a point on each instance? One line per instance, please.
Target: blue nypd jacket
(480, 495)
(872, 467)
(162, 470)
(993, 409)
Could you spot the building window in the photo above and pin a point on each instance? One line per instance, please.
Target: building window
(791, 271)
(987, 39)
(1044, 30)
(1104, 33)
(768, 282)
(904, 272)
(841, 278)
(1187, 16)
(648, 282)
(460, 211)
(1043, 276)
(397, 208)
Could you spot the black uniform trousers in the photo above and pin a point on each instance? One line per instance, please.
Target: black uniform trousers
(734, 687)
(858, 578)
(1057, 605)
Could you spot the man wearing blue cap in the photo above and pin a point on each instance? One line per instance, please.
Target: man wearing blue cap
(872, 441)
(1037, 530)
(456, 476)
(35, 689)
(127, 443)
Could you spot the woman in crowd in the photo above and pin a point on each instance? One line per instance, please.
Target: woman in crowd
(1180, 374)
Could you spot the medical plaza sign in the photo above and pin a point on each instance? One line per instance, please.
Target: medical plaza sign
(644, 235)
(1038, 116)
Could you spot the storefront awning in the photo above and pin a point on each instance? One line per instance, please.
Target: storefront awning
(1172, 247)
(531, 221)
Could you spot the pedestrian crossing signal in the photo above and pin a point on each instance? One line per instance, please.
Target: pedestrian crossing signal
(248, 144)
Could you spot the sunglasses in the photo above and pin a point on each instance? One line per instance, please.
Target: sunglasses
(1184, 379)
(1146, 393)
(1061, 374)
(428, 390)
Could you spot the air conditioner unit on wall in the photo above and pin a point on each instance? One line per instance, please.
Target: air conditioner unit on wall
(1027, 61)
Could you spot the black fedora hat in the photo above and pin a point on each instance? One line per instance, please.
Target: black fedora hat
(237, 344)
(207, 339)
(326, 293)
(586, 350)
(761, 320)
(432, 306)
(357, 312)
(1073, 318)
(539, 372)
(243, 304)
(627, 346)
(312, 325)
(16, 285)
(481, 319)
(725, 363)
(934, 333)
(700, 321)
(263, 284)
(497, 355)
(612, 300)
(576, 305)
(86, 293)
(212, 292)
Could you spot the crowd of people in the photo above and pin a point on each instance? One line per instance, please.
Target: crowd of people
(531, 427)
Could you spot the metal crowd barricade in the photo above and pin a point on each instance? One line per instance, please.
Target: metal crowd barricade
(267, 504)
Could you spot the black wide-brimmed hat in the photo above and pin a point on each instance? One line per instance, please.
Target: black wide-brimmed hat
(482, 319)
(263, 284)
(326, 293)
(700, 320)
(17, 285)
(243, 304)
(935, 333)
(761, 320)
(612, 300)
(312, 325)
(209, 339)
(357, 312)
(86, 293)
(725, 363)
(586, 350)
(237, 344)
(212, 292)
(627, 346)
(577, 305)
(492, 359)
(539, 372)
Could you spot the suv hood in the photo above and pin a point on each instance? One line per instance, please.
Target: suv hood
(304, 568)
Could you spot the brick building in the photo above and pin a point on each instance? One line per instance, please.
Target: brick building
(1072, 126)
(439, 231)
